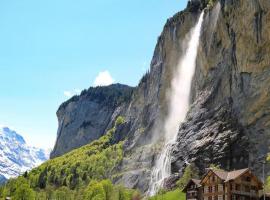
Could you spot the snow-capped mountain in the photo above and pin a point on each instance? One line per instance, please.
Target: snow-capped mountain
(16, 156)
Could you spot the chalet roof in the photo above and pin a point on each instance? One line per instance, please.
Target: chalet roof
(220, 173)
(195, 181)
(234, 174)
(227, 176)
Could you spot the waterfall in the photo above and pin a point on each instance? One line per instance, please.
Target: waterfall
(178, 108)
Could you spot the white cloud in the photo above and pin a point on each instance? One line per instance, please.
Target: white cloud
(68, 94)
(71, 93)
(103, 79)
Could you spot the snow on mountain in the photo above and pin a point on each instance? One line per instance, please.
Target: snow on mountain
(16, 156)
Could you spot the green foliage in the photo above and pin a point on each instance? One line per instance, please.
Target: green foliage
(95, 191)
(190, 172)
(213, 166)
(112, 95)
(119, 120)
(79, 174)
(123, 193)
(108, 188)
(171, 195)
(94, 161)
(19, 189)
(24, 192)
(267, 181)
(267, 184)
(211, 3)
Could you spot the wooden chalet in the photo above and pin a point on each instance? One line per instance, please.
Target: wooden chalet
(193, 190)
(222, 185)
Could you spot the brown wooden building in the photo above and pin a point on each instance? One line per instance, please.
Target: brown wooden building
(193, 190)
(234, 185)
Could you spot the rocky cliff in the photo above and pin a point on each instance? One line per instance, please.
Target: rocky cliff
(87, 117)
(228, 122)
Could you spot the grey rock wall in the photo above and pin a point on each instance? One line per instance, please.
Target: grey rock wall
(228, 122)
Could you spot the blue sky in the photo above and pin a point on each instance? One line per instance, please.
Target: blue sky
(52, 49)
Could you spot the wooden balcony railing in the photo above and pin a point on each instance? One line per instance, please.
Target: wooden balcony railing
(251, 194)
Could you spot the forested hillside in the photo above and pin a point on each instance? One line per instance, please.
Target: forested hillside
(83, 173)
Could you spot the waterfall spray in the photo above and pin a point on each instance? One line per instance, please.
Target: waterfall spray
(178, 108)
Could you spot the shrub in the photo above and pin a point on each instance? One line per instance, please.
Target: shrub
(190, 172)
(119, 120)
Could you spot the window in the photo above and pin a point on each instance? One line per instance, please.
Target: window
(220, 187)
(206, 189)
(237, 187)
(213, 178)
(210, 189)
(248, 179)
(220, 197)
(216, 197)
(210, 198)
(253, 189)
(216, 188)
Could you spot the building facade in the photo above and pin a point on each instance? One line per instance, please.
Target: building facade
(234, 185)
(193, 190)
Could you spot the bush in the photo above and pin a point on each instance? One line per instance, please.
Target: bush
(190, 172)
(211, 3)
(94, 191)
(119, 120)
(24, 192)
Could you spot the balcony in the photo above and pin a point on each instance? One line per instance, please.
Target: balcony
(250, 194)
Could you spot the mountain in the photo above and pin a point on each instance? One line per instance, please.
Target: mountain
(90, 115)
(2, 179)
(82, 173)
(228, 121)
(16, 156)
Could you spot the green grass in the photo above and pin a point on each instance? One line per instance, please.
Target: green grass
(172, 195)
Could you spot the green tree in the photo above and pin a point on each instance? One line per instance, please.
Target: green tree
(267, 184)
(190, 172)
(3, 192)
(213, 166)
(24, 192)
(124, 194)
(108, 188)
(94, 191)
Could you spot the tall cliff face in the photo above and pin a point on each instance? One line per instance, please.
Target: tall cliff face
(228, 122)
(87, 117)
